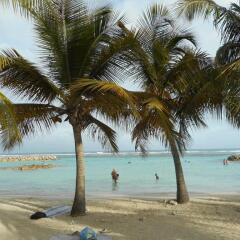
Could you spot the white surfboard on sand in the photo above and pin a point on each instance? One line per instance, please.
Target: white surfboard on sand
(57, 211)
(51, 212)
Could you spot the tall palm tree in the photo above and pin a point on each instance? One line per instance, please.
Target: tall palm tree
(80, 57)
(170, 73)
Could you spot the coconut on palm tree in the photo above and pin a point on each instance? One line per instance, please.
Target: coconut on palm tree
(80, 57)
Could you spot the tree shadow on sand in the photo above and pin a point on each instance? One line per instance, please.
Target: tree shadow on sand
(123, 219)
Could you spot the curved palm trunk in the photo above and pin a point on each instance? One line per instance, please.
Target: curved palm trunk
(182, 193)
(79, 204)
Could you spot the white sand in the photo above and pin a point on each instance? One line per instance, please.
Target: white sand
(215, 218)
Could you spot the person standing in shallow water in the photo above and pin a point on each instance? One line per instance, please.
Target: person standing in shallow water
(115, 175)
(156, 176)
(225, 162)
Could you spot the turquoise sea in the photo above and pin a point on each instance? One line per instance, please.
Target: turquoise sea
(204, 173)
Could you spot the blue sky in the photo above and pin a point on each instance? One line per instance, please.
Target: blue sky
(15, 32)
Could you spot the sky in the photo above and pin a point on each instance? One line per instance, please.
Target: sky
(15, 32)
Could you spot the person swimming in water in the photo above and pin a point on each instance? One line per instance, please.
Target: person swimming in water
(115, 175)
(156, 176)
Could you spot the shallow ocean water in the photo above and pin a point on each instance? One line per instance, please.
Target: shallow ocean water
(204, 173)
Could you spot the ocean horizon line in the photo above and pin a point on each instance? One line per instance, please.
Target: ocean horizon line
(128, 152)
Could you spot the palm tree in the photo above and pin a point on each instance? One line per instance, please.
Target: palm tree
(80, 56)
(227, 21)
(172, 76)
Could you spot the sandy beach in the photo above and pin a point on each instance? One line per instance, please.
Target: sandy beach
(133, 219)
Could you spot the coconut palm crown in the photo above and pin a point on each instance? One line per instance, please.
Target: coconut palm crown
(79, 60)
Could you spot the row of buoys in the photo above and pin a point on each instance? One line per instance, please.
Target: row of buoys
(27, 158)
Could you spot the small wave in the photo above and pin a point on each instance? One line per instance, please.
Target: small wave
(104, 153)
(195, 151)
(160, 152)
(64, 154)
(234, 151)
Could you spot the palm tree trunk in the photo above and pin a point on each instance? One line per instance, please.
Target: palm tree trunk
(79, 204)
(182, 193)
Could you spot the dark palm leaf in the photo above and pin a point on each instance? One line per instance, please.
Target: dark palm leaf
(24, 79)
(32, 118)
(194, 8)
(9, 133)
(103, 133)
(228, 53)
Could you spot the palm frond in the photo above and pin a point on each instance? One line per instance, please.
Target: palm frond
(181, 37)
(29, 119)
(10, 135)
(228, 53)
(232, 107)
(156, 122)
(103, 133)
(51, 27)
(195, 8)
(226, 20)
(91, 87)
(25, 79)
(24, 7)
(96, 47)
(155, 18)
(229, 23)
(112, 62)
(204, 94)
(155, 51)
(118, 113)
